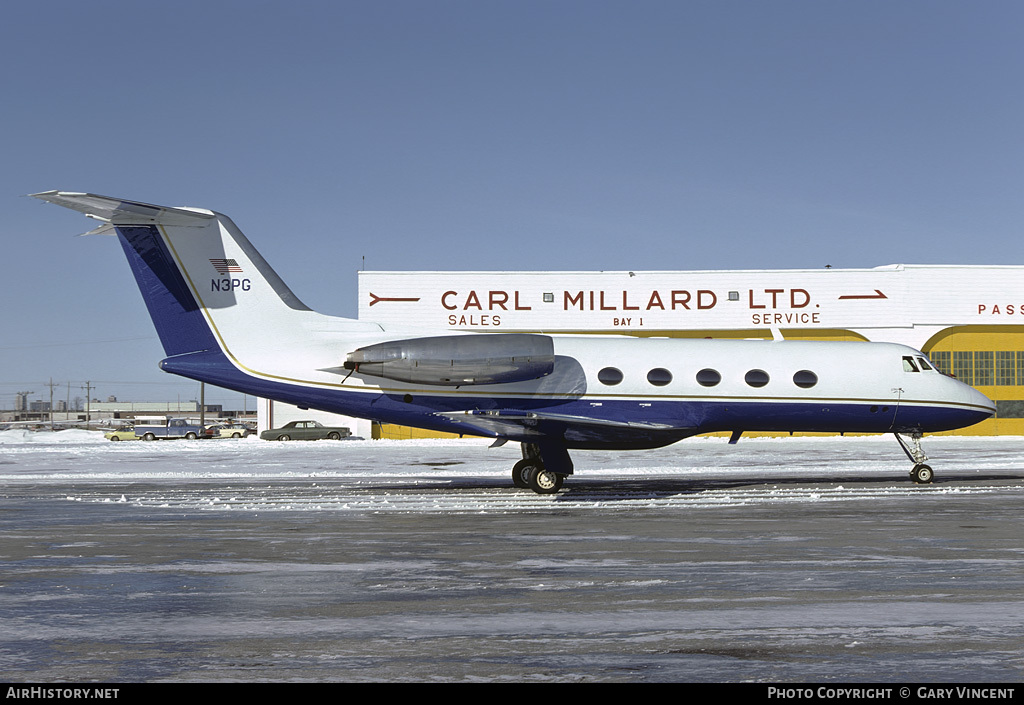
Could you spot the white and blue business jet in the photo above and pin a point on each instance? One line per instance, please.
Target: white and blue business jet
(226, 318)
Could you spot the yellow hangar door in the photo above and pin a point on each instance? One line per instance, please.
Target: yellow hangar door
(990, 359)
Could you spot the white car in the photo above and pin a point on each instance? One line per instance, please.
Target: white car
(231, 430)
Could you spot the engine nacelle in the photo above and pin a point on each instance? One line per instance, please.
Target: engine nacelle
(456, 360)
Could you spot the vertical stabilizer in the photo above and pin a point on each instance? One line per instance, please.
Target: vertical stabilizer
(205, 285)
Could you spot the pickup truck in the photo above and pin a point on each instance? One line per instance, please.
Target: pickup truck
(175, 428)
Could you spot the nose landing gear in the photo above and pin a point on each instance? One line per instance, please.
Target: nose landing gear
(921, 474)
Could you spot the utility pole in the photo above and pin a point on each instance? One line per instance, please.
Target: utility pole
(88, 398)
(51, 385)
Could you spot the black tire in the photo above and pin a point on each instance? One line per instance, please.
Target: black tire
(190, 436)
(284, 437)
(543, 481)
(521, 473)
(115, 438)
(149, 437)
(922, 474)
(334, 436)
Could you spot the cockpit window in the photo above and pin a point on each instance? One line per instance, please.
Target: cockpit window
(909, 365)
(924, 364)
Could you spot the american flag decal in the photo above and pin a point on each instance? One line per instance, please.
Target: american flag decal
(225, 266)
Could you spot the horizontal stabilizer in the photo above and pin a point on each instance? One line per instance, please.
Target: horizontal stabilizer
(120, 212)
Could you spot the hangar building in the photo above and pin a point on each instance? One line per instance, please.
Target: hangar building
(968, 319)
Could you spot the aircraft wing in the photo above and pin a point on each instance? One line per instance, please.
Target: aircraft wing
(524, 425)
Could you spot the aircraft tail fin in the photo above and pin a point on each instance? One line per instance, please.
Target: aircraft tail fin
(205, 285)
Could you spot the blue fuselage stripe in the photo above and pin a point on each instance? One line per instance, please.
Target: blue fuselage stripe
(686, 417)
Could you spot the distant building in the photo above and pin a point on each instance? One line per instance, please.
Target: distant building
(130, 409)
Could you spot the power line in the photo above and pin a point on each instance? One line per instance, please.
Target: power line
(29, 346)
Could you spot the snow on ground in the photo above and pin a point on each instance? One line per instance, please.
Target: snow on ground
(466, 475)
(772, 560)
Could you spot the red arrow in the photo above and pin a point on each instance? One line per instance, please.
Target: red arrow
(375, 299)
(877, 295)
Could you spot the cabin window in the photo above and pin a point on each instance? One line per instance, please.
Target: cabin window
(708, 378)
(805, 379)
(924, 364)
(659, 376)
(909, 365)
(756, 378)
(610, 376)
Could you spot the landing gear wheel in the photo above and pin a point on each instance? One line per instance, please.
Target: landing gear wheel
(544, 481)
(521, 473)
(922, 474)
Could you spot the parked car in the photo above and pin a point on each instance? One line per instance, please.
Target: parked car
(231, 430)
(124, 433)
(172, 428)
(306, 431)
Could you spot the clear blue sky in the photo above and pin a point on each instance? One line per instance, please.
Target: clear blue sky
(492, 134)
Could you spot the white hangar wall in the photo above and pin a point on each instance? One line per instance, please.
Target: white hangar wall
(896, 303)
(275, 414)
(970, 319)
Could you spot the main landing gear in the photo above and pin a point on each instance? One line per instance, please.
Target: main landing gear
(921, 474)
(532, 473)
(543, 469)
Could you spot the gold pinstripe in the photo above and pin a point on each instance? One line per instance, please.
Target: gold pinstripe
(457, 392)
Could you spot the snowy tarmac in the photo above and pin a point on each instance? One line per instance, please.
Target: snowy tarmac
(793, 559)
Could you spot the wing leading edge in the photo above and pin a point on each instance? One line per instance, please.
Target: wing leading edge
(577, 431)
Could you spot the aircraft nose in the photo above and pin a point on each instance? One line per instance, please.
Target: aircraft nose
(958, 405)
(975, 405)
(979, 399)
